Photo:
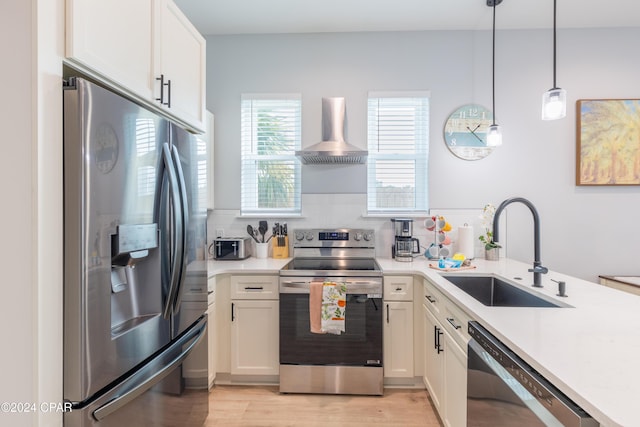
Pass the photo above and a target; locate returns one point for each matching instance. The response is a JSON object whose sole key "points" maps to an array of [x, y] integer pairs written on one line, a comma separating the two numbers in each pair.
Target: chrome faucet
{"points": [[537, 269]]}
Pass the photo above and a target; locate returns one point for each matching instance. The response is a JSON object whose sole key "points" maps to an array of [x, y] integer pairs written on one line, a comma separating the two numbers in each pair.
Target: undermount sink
{"points": [[495, 292]]}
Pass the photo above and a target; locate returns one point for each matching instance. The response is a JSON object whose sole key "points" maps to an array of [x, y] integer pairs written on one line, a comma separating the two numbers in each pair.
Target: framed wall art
{"points": [[608, 142]]}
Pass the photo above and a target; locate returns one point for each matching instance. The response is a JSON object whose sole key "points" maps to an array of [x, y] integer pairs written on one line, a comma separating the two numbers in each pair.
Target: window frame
{"points": [[249, 203], [420, 156]]}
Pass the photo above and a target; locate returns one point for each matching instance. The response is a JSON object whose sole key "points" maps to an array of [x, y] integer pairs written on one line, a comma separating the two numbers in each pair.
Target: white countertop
{"points": [[250, 265], [590, 351]]}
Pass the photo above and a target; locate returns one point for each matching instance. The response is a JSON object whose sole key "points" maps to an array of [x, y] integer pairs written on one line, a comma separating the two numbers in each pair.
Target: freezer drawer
{"points": [[149, 396]]}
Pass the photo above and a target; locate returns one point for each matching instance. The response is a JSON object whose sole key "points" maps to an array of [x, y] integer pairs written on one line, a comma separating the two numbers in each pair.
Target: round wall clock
{"points": [[465, 132]]}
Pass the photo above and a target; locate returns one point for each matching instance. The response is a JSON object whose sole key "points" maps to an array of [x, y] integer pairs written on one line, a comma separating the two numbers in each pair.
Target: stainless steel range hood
{"points": [[333, 148]]}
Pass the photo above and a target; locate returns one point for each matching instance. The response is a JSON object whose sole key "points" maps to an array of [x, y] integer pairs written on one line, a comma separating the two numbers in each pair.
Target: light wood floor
{"points": [[263, 406]]}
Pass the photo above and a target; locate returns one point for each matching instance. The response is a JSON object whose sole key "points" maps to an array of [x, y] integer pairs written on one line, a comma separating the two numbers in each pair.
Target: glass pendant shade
{"points": [[494, 136], [554, 104]]}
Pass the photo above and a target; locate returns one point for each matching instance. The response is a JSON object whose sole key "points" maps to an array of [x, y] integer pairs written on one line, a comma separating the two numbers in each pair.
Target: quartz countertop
{"points": [[250, 265], [588, 350]]}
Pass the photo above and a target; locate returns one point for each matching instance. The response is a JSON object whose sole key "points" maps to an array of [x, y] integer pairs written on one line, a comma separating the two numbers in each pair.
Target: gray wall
{"points": [[585, 231]]}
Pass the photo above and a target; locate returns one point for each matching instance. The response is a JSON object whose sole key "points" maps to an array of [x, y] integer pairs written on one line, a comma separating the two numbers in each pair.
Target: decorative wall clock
{"points": [[465, 132]]}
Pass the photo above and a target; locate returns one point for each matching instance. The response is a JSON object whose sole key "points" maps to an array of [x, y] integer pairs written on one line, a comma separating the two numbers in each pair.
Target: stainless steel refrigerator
{"points": [[134, 219]]}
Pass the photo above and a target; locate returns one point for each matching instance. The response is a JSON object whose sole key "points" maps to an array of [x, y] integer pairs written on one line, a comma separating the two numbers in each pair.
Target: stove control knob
{"points": [[368, 236], [299, 235], [357, 237], [309, 236]]}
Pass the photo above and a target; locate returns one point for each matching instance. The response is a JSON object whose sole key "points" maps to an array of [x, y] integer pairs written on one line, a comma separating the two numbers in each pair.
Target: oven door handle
{"points": [[362, 283], [294, 287], [355, 286], [299, 284], [290, 284]]}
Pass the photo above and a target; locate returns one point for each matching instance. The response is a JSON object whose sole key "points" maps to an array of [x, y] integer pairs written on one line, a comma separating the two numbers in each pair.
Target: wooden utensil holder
{"points": [[281, 251]]}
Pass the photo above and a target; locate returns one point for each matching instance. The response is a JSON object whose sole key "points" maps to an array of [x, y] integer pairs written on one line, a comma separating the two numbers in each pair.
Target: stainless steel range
{"points": [[349, 362]]}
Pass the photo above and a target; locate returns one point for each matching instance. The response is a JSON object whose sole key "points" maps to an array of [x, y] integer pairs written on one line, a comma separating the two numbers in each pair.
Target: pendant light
{"points": [[554, 101], [494, 133]]}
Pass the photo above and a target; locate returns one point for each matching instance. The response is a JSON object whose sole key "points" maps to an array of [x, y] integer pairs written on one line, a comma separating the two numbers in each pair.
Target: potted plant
{"points": [[491, 248]]}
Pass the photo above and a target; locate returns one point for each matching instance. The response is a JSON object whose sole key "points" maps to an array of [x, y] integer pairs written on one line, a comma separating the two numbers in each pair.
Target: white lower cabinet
{"points": [[254, 337], [398, 340], [397, 330], [445, 361], [433, 359], [254, 325], [199, 368], [455, 390]]}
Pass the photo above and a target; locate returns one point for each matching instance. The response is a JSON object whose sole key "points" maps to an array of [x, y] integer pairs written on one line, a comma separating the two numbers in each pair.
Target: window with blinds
{"points": [[398, 141], [270, 134]]}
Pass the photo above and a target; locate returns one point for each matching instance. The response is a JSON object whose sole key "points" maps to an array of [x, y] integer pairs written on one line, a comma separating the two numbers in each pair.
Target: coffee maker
{"points": [[405, 245]]}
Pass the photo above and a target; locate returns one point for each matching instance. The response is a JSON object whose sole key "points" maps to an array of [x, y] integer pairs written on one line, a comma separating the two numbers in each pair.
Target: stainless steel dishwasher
{"points": [[502, 390]]}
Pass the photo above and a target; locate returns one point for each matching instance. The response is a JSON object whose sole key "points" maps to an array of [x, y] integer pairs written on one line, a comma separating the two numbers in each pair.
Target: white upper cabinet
{"points": [[180, 60], [138, 45], [114, 39]]}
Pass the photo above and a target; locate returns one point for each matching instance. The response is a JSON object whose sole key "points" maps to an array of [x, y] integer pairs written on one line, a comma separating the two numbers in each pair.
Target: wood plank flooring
{"points": [[264, 406]]}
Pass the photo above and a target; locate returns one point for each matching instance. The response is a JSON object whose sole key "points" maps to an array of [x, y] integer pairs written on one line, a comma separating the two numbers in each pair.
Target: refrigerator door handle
{"points": [[166, 166], [182, 251], [143, 384]]}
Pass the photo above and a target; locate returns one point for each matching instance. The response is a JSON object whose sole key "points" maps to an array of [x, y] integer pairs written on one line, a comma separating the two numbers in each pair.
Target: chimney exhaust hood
{"points": [[333, 149]]}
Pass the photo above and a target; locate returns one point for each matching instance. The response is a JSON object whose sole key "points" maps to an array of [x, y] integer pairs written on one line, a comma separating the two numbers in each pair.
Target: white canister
{"points": [[262, 250]]}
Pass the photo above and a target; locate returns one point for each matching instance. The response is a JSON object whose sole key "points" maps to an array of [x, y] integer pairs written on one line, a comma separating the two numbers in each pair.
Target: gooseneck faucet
{"points": [[537, 269]]}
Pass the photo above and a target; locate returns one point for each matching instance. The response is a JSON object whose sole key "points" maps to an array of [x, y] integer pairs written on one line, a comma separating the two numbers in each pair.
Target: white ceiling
{"points": [[312, 16]]}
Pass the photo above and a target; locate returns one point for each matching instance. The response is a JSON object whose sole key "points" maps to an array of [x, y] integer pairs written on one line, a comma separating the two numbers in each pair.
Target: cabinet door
{"points": [[114, 39], [212, 338], [455, 394], [195, 368], [180, 58], [433, 358], [254, 337], [398, 340]]}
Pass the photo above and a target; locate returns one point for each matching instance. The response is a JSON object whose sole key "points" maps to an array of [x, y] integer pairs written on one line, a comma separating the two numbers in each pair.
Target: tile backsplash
{"points": [[349, 211]]}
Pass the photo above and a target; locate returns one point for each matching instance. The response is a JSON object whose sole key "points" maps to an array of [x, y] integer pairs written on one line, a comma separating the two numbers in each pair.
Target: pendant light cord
{"points": [[554, 45], [493, 65]]}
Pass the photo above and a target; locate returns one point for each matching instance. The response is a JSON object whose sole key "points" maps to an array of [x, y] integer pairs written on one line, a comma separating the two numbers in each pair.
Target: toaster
{"points": [[231, 248]]}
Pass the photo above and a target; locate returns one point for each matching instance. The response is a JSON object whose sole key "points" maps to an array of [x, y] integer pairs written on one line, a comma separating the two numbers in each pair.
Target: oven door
{"points": [[359, 345]]}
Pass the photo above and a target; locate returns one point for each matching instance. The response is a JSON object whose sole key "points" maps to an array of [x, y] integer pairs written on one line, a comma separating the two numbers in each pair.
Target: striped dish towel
{"points": [[334, 304]]}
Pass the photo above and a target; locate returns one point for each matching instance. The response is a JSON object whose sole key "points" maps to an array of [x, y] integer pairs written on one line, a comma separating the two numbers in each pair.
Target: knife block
{"points": [[281, 251]]}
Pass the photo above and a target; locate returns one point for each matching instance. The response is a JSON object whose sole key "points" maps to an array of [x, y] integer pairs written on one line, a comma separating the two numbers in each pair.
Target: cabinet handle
{"points": [[253, 288], [161, 79], [451, 320], [168, 104], [438, 345], [162, 85], [232, 317], [430, 299], [398, 289], [387, 313]]}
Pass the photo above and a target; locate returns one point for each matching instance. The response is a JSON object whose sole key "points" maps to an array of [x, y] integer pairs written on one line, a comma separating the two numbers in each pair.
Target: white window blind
{"points": [[270, 134], [398, 140]]}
